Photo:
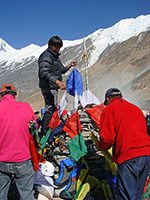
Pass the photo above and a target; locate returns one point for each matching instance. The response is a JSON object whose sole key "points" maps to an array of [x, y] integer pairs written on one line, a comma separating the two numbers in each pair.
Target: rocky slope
{"points": [[126, 66]]}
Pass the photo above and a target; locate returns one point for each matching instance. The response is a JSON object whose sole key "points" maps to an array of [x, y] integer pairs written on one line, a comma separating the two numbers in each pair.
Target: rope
{"points": [[85, 54]]}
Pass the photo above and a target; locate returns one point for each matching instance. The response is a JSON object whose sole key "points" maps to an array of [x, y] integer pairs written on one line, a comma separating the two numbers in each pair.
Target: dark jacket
{"points": [[148, 124], [50, 70]]}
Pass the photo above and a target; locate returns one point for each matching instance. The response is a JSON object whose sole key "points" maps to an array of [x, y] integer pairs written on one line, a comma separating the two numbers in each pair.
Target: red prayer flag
{"points": [[36, 157], [73, 125], [95, 113], [55, 121]]}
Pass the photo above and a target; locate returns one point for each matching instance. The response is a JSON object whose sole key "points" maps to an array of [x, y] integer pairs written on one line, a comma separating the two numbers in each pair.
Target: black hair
{"points": [[9, 92], [55, 41], [36, 112]]}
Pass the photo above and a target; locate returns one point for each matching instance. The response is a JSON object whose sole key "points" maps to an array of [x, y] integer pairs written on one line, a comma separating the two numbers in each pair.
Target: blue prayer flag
{"points": [[74, 83]]}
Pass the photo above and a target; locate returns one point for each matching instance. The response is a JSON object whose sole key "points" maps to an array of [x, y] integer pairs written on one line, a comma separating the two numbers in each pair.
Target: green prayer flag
{"points": [[77, 147], [44, 140]]}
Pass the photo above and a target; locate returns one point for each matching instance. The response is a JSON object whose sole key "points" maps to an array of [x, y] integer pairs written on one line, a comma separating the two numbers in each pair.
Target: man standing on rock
{"points": [[50, 78], [123, 126]]}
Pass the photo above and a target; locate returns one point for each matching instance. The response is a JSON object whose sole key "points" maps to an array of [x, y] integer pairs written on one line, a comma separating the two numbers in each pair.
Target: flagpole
{"points": [[86, 62]]}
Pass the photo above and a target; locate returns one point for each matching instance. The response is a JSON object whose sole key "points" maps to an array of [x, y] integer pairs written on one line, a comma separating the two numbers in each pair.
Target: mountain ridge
{"points": [[114, 62], [121, 31]]}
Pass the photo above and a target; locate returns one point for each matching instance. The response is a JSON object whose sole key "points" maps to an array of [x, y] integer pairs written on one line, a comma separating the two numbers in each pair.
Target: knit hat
{"points": [[7, 88]]}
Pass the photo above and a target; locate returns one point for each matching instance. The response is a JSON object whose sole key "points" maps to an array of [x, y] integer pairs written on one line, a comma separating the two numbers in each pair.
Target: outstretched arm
{"points": [[61, 84], [73, 63]]}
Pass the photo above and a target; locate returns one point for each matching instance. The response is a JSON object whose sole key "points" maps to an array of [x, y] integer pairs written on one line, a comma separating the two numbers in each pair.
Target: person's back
{"points": [[123, 126], [131, 138], [14, 140], [15, 159]]}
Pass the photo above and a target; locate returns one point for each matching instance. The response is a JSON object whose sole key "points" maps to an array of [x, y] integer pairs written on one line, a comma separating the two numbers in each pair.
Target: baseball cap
{"points": [[7, 88], [110, 92]]}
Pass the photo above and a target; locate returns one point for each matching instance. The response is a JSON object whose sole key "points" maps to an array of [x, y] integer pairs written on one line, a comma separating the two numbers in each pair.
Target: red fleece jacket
{"points": [[123, 126]]}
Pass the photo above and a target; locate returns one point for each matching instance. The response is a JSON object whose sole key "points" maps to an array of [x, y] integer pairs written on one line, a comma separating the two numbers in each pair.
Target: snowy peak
{"points": [[4, 47], [121, 31], [100, 39], [131, 27]]}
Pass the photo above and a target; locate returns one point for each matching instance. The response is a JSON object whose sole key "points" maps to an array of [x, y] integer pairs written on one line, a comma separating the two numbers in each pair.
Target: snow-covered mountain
{"points": [[19, 67], [100, 39]]}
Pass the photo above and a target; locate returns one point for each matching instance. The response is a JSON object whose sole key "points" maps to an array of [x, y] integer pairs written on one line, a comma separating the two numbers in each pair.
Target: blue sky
{"points": [[23, 22]]}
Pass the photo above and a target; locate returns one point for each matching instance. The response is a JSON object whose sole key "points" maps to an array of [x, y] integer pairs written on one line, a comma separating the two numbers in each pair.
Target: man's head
{"points": [[55, 43], [37, 114], [111, 94], [8, 89]]}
